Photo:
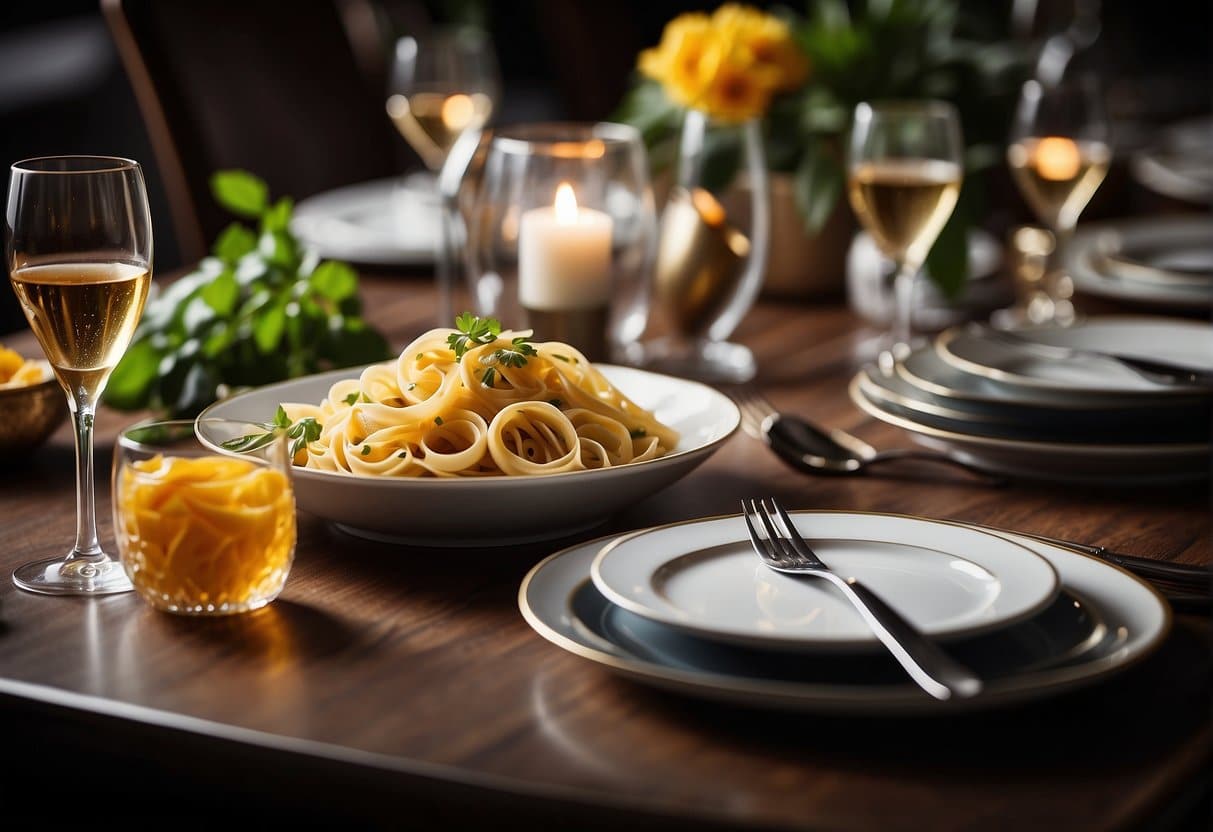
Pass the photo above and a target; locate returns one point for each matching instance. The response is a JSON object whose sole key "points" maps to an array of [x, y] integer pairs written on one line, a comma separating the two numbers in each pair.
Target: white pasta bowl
{"points": [[499, 510]]}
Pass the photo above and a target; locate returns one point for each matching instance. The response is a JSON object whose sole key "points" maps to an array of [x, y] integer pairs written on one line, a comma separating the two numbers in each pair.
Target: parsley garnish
{"points": [[409, 389], [473, 331], [489, 375], [563, 358], [437, 420], [302, 432], [366, 449], [351, 399], [516, 354]]}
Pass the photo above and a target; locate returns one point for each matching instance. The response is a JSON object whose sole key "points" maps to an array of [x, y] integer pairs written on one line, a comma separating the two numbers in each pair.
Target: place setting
{"points": [[580, 433], [981, 618]]}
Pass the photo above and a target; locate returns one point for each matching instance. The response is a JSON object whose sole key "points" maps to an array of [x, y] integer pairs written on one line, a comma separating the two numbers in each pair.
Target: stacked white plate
{"points": [[1160, 261], [1011, 409], [384, 222], [690, 607]]}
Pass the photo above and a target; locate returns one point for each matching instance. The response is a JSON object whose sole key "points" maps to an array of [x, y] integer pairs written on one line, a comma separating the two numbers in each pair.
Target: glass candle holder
{"points": [[562, 234], [201, 533]]}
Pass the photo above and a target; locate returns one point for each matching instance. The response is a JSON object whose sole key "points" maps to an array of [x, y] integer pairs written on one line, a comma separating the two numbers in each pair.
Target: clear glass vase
{"points": [[712, 252]]}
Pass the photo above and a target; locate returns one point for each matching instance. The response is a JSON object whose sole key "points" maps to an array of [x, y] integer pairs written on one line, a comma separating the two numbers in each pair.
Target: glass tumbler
{"points": [[199, 532]]}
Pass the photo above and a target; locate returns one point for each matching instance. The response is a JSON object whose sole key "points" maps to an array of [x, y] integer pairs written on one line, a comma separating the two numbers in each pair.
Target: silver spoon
{"points": [[816, 450]]}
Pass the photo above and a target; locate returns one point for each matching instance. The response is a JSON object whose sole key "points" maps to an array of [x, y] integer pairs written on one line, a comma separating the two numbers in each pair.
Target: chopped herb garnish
{"points": [[473, 331], [352, 398], [366, 449], [636, 433], [409, 389], [402, 455], [489, 375], [516, 354], [420, 356], [302, 432], [560, 357], [366, 398], [437, 420]]}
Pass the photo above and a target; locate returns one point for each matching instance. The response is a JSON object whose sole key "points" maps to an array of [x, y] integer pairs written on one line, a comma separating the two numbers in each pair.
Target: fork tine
{"points": [[758, 542], [793, 536], [780, 545], [755, 408]]}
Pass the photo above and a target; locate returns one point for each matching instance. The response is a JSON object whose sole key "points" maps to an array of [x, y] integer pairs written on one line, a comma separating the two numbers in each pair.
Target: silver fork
{"points": [[784, 550]]}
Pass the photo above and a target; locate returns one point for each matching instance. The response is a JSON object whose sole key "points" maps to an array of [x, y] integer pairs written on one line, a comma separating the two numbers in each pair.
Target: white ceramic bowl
{"points": [[488, 511]]}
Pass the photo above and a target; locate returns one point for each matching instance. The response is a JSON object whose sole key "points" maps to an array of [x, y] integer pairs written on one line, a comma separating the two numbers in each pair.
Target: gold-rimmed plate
{"points": [[1135, 618]]}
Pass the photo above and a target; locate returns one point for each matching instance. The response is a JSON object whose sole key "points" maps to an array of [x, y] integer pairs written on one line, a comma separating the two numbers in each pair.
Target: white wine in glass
{"points": [[1058, 154], [79, 254], [904, 179], [442, 85]]}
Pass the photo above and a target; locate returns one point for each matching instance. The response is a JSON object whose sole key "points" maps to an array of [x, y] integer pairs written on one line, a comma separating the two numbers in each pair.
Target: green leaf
{"points": [[278, 217], [240, 192], [948, 263], [221, 293], [817, 187], [130, 383], [234, 242], [334, 280], [268, 329], [279, 249], [281, 420]]}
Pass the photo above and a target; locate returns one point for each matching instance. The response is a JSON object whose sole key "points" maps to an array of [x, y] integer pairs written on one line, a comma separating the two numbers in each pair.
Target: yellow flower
{"points": [[739, 90], [728, 64], [678, 61], [769, 42]]}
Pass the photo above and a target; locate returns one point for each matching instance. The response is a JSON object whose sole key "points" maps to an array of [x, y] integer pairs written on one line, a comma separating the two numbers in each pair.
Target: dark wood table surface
{"points": [[392, 686]]}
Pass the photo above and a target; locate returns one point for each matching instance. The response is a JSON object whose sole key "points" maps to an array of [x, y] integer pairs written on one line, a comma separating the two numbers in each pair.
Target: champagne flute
{"points": [[79, 254], [904, 178], [441, 86], [1059, 155]]}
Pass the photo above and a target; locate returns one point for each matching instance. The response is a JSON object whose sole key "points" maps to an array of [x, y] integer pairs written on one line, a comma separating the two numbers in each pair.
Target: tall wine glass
{"points": [[905, 172], [79, 254], [1059, 155], [442, 85]]}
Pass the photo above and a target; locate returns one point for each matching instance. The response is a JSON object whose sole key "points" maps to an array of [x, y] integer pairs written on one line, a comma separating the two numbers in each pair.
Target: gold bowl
{"points": [[29, 414]]}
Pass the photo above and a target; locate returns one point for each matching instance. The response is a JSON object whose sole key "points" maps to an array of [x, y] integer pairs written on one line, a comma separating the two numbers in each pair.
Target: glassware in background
{"points": [[441, 85], [201, 533], [904, 175], [711, 255], [443, 88], [79, 255], [1059, 155], [562, 233]]}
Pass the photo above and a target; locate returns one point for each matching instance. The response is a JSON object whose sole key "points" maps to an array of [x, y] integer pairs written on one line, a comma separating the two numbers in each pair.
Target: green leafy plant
{"points": [[867, 50], [262, 308]]}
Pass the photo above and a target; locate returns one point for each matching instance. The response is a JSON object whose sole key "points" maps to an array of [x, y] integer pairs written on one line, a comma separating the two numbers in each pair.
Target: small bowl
{"points": [[29, 414]]}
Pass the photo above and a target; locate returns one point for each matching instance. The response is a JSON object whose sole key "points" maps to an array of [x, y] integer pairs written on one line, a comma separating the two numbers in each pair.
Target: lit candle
{"points": [[1057, 158], [564, 256]]}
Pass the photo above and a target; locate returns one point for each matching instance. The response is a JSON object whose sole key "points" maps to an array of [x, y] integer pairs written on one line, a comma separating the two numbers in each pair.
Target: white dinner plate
{"points": [[1070, 462], [487, 511], [705, 578], [1179, 242], [1179, 164], [1188, 343], [380, 222], [1135, 616]]}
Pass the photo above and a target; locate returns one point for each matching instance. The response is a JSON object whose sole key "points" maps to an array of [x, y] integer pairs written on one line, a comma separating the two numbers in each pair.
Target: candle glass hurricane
{"points": [[712, 252], [562, 232]]}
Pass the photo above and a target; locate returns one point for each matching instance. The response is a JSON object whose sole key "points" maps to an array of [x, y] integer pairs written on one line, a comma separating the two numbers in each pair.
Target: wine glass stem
{"points": [[903, 305], [87, 545]]}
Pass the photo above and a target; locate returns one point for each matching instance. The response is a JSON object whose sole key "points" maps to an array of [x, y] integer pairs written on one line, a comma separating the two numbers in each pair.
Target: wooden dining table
{"points": [[400, 687]]}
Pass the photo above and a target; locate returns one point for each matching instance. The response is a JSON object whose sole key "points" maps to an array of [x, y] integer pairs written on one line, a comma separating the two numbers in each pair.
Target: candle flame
{"points": [[566, 204], [1057, 158], [457, 111]]}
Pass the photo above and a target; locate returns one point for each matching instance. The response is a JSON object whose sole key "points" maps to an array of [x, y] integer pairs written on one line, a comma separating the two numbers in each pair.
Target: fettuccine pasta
{"points": [[506, 406]]}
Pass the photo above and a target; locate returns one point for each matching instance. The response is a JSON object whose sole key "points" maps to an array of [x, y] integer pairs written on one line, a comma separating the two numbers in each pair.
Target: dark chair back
{"points": [[271, 86]]}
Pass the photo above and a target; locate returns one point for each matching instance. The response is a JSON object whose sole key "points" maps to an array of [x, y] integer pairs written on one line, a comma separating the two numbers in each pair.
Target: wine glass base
{"points": [[80, 576], [715, 362]]}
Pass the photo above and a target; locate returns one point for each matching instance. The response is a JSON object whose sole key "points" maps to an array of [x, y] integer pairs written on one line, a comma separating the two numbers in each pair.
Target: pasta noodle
{"points": [[499, 409]]}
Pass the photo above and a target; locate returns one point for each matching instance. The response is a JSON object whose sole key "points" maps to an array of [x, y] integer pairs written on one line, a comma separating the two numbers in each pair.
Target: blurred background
{"points": [[295, 91]]}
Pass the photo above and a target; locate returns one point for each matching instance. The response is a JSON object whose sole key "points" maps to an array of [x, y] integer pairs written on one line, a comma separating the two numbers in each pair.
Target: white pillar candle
{"points": [[564, 255]]}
